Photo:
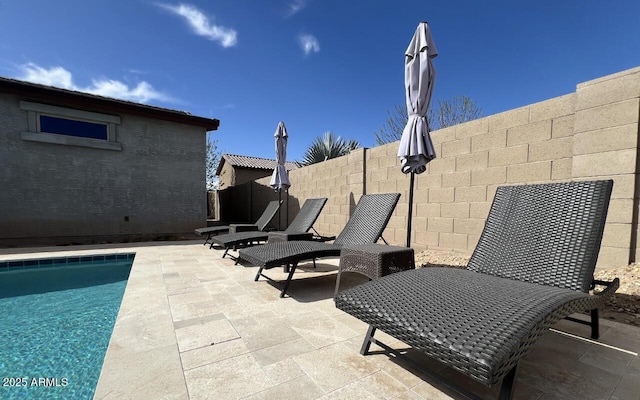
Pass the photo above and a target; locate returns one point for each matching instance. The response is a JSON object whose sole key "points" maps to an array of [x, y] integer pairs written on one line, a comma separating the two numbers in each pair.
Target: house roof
{"points": [[90, 102], [251, 162]]}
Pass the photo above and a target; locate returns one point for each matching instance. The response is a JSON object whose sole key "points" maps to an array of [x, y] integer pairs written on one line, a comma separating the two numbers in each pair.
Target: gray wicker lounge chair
{"points": [[299, 227], [533, 266], [260, 225], [369, 219]]}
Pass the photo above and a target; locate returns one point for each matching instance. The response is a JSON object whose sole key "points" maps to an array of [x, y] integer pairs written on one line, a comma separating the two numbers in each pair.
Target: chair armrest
{"points": [[610, 288], [235, 228], [275, 237], [320, 238]]}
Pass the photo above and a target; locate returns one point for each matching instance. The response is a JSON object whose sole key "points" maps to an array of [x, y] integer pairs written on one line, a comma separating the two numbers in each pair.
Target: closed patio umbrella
{"points": [[280, 178], [416, 149]]}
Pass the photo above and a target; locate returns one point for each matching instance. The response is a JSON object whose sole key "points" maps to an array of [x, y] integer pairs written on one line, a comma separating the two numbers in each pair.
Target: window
{"points": [[71, 127], [64, 126]]}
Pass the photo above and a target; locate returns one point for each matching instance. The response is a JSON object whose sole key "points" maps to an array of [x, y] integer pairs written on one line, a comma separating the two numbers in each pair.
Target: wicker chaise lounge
{"points": [[260, 225], [533, 266], [299, 227], [366, 225]]}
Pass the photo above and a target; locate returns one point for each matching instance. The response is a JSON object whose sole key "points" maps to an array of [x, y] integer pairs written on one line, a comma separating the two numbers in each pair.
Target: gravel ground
{"points": [[623, 306]]}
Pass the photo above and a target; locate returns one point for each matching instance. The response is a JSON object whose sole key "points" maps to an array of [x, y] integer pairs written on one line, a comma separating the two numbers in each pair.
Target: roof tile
{"points": [[254, 162]]}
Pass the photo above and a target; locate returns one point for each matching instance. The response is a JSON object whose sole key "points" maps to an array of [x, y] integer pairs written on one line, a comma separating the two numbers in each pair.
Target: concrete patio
{"points": [[195, 326]]}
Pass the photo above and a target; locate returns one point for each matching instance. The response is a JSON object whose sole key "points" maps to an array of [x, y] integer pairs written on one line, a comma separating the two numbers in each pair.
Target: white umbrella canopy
{"points": [[280, 178], [416, 148]]}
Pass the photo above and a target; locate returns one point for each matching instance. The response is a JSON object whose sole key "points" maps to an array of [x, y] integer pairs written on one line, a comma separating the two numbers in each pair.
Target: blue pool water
{"points": [[56, 319]]}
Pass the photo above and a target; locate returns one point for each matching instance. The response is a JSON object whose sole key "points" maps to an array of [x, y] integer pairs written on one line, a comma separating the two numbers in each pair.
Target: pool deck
{"points": [[195, 326]]}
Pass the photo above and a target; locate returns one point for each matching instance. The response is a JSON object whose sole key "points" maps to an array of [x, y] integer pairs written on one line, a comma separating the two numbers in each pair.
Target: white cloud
{"points": [[309, 43], [56, 76], [143, 92], [296, 6], [201, 25]]}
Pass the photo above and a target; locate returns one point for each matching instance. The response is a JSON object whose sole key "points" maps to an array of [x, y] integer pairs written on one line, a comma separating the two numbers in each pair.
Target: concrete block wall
{"points": [[339, 179], [606, 146], [590, 134], [514, 147]]}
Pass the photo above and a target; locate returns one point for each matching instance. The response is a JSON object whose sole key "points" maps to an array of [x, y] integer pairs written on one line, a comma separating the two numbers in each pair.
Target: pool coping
{"points": [[52, 262]]}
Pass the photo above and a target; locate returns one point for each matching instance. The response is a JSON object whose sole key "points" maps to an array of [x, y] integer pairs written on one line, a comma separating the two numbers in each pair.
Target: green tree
{"points": [[212, 160], [326, 147], [447, 113]]}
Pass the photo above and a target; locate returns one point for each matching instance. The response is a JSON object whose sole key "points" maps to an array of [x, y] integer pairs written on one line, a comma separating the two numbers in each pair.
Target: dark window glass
{"points": [[63, 126]]}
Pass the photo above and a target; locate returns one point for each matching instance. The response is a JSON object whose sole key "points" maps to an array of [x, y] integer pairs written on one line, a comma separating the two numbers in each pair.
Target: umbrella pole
{"points": [[410, 213], [280, 206]]}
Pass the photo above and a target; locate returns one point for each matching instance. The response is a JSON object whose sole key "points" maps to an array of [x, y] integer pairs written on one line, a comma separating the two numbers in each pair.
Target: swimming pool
{"points": [[57, 316]]}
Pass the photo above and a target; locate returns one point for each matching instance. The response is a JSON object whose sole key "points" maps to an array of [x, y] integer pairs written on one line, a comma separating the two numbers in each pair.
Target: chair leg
{"points": [[364, 350], [595, 324], [258, 274], [286, 285], [508, 384], [225, 252], [335, 292], [314, 263]]}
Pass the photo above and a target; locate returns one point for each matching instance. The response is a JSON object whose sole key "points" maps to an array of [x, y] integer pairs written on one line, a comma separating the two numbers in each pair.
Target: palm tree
{"points": [[326, 147]]}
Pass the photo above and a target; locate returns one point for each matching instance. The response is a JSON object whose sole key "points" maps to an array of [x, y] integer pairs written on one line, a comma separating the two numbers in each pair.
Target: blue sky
{"points": [[317, 65]]}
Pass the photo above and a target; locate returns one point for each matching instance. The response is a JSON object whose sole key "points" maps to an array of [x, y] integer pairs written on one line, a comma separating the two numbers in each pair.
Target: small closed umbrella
{"points": [[416, 148], [280, 178]]}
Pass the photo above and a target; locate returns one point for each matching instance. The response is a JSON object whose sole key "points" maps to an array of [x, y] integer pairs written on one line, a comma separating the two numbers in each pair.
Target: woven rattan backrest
{"points": [[368, 219], [547, 234], [307, 215], [268, 214]]}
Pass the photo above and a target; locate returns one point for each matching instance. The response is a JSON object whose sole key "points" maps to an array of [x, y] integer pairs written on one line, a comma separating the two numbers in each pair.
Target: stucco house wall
{"points": [[233, 176], [58, 193], [238, 199], [227, 176], [235, 170]]}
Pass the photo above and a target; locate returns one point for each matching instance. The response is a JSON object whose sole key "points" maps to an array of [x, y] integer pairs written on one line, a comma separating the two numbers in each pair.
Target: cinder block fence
{"points": [[590, 134]]}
